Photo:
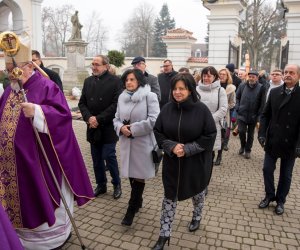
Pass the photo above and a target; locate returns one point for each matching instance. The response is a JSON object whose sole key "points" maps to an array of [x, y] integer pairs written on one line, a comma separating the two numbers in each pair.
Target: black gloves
{"points": [[262, 141], [297, 152]]}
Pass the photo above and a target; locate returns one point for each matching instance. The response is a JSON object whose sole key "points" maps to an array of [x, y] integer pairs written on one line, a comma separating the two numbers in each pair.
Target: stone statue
{"points": [[76, 29]]}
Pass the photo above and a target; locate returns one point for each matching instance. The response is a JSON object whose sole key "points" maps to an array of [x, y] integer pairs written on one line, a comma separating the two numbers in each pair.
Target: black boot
{"points": [[219, 158], [139, 186], [159, 245], [137, 189]]}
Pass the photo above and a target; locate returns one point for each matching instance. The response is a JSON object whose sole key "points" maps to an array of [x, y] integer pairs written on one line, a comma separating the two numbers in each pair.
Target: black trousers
{"points": [[246, 133], [285, 177]]}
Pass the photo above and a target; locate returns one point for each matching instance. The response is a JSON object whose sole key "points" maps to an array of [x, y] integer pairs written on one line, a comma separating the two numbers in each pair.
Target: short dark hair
{"points": [[139, 75], [36, 53], [189, 83], [184, 70], [210, 69]]}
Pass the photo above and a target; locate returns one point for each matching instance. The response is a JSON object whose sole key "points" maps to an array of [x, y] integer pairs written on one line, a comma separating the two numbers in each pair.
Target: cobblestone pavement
{"points": [[231, 218]]}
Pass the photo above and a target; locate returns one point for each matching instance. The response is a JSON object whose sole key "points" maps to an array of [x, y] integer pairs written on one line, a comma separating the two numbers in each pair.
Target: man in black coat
{"points": [[36, 57], [279, 135], [140, 63], [98, 104], [248, 111], [164, 80]]}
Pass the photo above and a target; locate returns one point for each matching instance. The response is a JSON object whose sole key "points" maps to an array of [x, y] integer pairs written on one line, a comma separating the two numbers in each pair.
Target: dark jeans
{"points": [[285, 177], [249, 129], [107, 153]]}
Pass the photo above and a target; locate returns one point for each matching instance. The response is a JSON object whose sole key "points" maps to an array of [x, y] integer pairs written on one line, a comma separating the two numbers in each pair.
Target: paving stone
{"points": [[231, 219]]}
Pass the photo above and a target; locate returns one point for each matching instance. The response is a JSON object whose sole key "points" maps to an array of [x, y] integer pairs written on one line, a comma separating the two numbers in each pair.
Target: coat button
{"points": [[287, 126], [92, 99], [100, 99], [289, 113], [286, 140]]}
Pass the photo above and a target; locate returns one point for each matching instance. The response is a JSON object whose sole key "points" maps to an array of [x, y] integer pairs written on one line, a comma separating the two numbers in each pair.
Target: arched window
{"points": [[198, 53]]}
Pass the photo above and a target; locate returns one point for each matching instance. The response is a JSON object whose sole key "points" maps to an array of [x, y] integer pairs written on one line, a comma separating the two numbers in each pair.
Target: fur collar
{"points": [[138, 95], [230, 88]]}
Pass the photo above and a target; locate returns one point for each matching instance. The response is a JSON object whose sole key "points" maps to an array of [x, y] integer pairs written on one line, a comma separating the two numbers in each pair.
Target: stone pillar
{"points": [[293, 30], [223, 23], [75, 73], [36, 34], [179, 46]]}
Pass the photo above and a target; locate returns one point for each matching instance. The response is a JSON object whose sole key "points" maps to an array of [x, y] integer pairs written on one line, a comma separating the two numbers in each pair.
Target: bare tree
{"points": [[56, 28], [96, 34], [261, 30], [138, 31]]}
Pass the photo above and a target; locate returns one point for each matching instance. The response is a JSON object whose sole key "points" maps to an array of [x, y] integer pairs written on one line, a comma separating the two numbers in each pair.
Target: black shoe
{"points": [[241, 151], [247, 155], [225, 148], [159, 245], [129, 216], [279, 209], [218, 161], [100, 189], [265, 202], [117, 192], [194, 225]]}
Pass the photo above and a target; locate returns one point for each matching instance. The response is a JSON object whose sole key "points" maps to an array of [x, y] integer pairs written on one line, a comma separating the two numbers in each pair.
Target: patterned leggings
{"points": [[169, 208]]}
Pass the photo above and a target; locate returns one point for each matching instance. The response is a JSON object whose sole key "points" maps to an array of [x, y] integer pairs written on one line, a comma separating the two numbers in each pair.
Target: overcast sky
{"points": [[188, 14]]}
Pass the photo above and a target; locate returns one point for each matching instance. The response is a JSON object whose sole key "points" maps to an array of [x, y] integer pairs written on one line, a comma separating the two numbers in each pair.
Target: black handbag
{"points": [[157, 154]]}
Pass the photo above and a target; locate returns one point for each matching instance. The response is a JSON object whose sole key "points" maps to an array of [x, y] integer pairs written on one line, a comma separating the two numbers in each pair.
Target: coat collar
{"points": [[138, 95]]}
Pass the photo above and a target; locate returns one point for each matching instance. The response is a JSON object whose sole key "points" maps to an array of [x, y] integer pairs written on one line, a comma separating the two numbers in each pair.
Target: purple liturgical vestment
{"points": [[8, 237], [28, 193]]}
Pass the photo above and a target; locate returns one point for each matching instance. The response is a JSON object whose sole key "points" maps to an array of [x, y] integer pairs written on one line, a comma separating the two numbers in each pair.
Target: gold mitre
{"points": [[15, 46]]}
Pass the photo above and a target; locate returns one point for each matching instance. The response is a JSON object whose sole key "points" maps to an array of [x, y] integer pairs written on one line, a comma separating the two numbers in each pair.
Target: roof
{"points": [[198, 59], [179, 33]]}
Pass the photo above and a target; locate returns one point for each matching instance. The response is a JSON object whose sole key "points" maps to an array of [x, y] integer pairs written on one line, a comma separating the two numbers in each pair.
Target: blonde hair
{"points": [[229, 77]]}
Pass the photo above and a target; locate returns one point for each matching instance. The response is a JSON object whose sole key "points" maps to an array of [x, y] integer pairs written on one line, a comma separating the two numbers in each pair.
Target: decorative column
{"points": [[36, 33], [76, 73], [293, 30], [223, 23], [179, 46]]}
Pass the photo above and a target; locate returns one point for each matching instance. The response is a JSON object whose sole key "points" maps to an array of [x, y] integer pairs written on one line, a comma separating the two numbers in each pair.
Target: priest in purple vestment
{"points": [[9, 239], [28, 192]]}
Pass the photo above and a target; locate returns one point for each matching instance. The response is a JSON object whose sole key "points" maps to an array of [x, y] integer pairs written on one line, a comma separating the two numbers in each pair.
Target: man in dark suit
{"points": [[98, 105], [36, 57], [279, 135]]}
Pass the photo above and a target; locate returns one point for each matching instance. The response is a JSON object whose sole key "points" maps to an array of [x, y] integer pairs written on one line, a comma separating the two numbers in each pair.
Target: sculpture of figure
{"points": [[76, 29]]}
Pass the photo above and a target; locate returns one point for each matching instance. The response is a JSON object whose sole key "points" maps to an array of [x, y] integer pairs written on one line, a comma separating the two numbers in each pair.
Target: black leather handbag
{"points": [[157, 154]]}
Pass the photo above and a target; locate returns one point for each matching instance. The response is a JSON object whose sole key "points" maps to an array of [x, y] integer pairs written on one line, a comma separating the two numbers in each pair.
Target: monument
{"points": [[75, 73]]}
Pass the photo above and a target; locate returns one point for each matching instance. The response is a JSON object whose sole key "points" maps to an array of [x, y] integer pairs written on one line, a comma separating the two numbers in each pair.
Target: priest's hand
{"points": [[28, 109]]}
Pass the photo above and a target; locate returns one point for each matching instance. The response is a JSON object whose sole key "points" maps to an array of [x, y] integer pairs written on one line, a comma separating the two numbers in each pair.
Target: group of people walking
{"points": [[190, 121], [185, 118]]}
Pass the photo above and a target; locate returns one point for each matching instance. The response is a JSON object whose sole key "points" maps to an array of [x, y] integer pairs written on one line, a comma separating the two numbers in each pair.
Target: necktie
{"points": [[288, 91]]}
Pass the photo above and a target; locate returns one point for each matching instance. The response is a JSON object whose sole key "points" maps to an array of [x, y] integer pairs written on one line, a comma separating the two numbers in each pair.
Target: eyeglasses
{"points": [[167, 65]]}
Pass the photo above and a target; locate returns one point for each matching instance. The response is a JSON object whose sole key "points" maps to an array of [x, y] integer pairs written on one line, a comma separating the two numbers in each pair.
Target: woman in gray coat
{"points": [[136, 114]]}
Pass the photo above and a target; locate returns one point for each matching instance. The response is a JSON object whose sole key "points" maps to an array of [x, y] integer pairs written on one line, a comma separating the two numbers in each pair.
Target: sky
{"points": [[188, 14]]}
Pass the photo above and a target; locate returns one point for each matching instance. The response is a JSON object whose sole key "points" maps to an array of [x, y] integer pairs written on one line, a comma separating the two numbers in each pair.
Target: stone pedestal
{"points": [[179, 45], [224, 21], [75, 73], [293, 30]]}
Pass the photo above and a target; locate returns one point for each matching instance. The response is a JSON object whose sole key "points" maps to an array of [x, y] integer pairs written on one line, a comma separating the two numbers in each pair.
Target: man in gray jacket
{"points": [[140, 63]]}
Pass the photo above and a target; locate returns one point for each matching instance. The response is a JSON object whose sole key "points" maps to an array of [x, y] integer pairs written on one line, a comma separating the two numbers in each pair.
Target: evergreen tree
{"points": [[162, 23]]}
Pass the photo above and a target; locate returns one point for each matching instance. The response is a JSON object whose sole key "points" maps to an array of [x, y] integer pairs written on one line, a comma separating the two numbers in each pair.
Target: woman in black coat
{"points": [[186, 131]]}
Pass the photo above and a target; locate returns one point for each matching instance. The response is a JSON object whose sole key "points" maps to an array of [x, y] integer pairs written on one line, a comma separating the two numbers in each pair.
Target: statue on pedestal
{"points": [[76, 29]]}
